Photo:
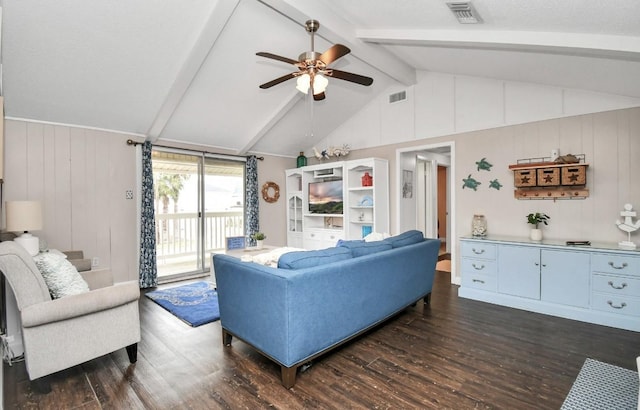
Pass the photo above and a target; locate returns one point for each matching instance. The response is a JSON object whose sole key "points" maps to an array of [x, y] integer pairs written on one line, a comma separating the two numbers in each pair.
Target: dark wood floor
{"points": [[458, 354]]}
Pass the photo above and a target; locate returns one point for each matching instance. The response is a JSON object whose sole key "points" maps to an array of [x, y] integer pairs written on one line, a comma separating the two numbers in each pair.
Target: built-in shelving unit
{"points": [[294, 207], [368, 205], [363, 209]]}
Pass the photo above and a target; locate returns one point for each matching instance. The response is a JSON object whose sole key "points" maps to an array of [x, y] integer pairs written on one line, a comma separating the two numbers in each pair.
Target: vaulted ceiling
{"points": [[187, 70]]}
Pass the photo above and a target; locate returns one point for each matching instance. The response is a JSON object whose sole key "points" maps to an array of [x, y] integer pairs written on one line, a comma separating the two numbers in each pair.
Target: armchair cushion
{"points": [[60, 275]]}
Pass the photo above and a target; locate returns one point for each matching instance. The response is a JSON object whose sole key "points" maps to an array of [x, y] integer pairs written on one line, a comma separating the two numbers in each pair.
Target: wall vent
{"points": [[465, 12], [400, 96]]}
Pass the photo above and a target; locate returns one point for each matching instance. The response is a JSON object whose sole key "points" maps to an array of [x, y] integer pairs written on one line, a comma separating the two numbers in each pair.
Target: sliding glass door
{"points": [[199, 202]]}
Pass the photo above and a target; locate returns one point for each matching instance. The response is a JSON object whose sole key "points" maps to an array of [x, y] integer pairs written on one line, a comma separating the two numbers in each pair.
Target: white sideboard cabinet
{"points": [[596, 284]]}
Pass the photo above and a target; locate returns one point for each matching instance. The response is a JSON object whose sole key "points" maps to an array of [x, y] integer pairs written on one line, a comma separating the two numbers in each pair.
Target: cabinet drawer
{"points": [[478, 250], [616, 264], [478, 266], [620, 304], [476, 281], [330, 236], [616, 285]]}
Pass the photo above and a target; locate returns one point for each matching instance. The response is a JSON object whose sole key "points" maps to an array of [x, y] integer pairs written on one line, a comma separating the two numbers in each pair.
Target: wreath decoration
{"points": [[270, 192]]}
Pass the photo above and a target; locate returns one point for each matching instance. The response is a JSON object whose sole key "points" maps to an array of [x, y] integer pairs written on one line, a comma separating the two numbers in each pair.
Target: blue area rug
{"points": [[195, 303]]}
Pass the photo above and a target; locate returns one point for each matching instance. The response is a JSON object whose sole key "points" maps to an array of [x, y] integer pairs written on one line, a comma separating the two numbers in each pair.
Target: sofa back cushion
{"points": [[361, 248], [405, 238], [309, 259]]}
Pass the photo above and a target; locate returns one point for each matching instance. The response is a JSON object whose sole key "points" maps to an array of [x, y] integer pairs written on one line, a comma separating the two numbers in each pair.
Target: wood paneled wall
{"points": [[81, 176], [610, 140]]}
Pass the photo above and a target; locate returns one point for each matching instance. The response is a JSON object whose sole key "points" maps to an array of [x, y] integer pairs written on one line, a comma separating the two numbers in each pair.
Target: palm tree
{"points": [[169, 186]]}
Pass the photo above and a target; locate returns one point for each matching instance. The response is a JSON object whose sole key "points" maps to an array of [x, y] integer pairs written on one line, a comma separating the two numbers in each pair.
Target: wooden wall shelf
{"points": [[550, 181]]}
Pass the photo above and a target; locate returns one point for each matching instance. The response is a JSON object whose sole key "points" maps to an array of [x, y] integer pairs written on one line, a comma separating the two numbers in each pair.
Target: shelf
{"points": [[362, 222], [361, 188], [361, 207]]}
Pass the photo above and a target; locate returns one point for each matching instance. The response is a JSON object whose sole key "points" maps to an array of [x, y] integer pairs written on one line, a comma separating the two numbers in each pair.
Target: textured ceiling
{"points": [[187, 71]]}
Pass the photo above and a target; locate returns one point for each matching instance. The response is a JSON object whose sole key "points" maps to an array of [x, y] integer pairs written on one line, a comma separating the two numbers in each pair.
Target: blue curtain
{"points": [[148, 266], [251, 225]]}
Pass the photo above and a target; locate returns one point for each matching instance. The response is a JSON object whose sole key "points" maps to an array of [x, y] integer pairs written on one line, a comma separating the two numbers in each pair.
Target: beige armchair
{"points": [[61, 333]]}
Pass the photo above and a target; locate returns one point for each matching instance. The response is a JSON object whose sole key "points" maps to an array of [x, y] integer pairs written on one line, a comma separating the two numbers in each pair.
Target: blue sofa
{"points": [[316, 300]]}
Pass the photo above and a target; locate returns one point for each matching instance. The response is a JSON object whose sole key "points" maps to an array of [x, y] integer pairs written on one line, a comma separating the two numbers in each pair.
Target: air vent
{"points": [[402, 95], [465, 13]]}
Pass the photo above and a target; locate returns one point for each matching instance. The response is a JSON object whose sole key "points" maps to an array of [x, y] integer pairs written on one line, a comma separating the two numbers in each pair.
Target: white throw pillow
{"points": [[376, 236], [271, 258], [61, 277]]}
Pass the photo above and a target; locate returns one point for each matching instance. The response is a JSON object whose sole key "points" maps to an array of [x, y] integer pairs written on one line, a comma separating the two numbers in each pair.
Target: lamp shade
{"points": [[320, 82], [24, 216]]}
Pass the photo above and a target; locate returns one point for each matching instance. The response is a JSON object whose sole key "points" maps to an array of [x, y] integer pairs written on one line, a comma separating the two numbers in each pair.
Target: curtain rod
{"points": [[134, 143]]}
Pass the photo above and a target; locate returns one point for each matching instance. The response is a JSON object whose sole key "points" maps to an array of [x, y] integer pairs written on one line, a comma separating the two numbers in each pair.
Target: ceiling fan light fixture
{"points": [[303, 83], [320, 84]]}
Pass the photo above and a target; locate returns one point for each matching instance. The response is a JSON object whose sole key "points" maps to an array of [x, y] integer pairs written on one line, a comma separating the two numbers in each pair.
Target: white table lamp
{"points": [[25, 216]]}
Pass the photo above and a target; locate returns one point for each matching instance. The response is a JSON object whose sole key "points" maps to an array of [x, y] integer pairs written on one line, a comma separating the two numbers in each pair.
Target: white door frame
{"points": [[451, 203]]}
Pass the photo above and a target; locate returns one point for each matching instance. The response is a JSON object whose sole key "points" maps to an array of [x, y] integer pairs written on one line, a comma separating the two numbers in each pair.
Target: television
{"points": [[325, 197]]}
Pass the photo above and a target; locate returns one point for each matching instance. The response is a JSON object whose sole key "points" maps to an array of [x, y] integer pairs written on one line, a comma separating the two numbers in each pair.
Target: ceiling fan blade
{"points": [[278, 80], [277, 57], [354, 78], [335, 52], [318, 97]]}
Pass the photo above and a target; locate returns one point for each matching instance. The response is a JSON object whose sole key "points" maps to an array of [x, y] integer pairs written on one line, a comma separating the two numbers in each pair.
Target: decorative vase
{"points": [[479, 226], [301, 161], [259, 243], [536, 234], [367, 180]]}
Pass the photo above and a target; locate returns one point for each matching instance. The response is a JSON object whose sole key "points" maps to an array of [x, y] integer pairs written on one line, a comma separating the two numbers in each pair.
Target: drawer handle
{"points": [[624, 285], [477, 268], [610, 303], [480, 252], [624, 265], [478, 281]]}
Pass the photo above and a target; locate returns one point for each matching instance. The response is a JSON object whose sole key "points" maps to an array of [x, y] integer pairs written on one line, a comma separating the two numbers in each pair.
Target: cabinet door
{"points": [[519, 271], [565, 277]]}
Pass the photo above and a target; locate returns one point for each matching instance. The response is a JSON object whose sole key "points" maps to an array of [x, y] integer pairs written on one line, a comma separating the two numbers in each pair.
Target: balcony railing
{"points": [[177, 237]]}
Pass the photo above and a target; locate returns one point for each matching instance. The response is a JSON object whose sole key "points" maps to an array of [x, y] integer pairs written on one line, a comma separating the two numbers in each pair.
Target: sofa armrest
{"points": [[97, 279], [73, 306]]}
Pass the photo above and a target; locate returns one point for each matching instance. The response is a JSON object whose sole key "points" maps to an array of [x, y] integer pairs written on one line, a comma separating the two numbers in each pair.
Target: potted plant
{"points": [[535, 220], [259, 238]]}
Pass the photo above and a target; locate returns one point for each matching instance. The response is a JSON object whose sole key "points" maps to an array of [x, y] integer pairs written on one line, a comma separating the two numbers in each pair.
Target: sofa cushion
{"points": [[361, 248], [405, 238], [309, 259], [60, 275]]}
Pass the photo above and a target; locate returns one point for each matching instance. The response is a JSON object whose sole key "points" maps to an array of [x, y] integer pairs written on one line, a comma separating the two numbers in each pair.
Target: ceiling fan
{"points": [[313, 67]]}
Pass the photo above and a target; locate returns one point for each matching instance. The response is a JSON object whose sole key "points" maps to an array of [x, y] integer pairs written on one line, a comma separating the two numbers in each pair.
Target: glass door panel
{"points": [[223, 204], [199, 203], [178, 228]]}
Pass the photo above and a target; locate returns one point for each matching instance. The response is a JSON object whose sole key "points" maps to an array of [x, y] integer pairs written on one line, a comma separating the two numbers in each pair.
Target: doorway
{"points": [[199, 202], [432, 208]]}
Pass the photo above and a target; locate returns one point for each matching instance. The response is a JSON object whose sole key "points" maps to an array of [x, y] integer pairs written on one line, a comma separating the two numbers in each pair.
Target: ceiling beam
{"points": [[279, 113], [218, 17], [582, 44], [335, 29]]}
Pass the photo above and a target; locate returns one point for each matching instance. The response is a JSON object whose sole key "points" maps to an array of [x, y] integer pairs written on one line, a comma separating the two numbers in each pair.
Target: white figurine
{"points": [[628, 226]]}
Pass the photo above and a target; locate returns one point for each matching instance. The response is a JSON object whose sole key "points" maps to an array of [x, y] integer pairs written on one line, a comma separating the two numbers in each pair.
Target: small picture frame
{"points": [[236, 242], [407, 184]]}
